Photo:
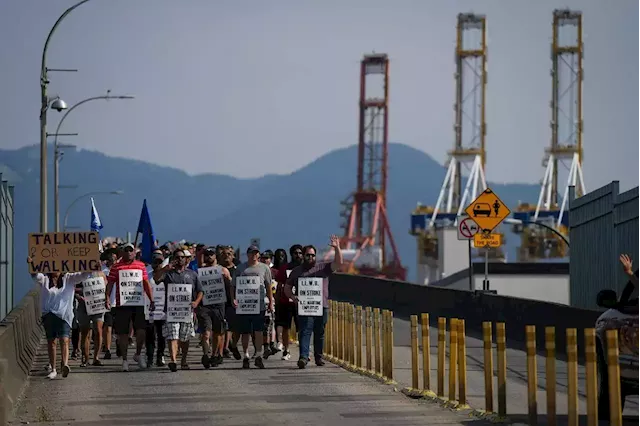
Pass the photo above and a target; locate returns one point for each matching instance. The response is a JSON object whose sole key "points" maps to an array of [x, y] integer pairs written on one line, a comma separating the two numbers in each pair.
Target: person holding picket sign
{"points": [[311, 280]]}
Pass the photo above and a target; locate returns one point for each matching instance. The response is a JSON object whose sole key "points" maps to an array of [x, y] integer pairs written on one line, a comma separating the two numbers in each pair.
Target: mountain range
{"points": [[300, 207]]}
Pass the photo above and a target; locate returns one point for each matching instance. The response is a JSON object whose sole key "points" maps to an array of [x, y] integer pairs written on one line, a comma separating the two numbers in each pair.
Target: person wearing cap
{"points": [[248, 324], [126, 313], [154, 326], [108, 257], [210, 313]]}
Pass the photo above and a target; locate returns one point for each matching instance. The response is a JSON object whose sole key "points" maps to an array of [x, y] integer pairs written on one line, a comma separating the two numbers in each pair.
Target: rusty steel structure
{"points": [[367, 225]]}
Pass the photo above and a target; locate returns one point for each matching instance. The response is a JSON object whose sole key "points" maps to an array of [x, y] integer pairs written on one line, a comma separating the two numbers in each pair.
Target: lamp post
{"points": [[58, 153], [44, 106], [88, 194], [512, 221]]}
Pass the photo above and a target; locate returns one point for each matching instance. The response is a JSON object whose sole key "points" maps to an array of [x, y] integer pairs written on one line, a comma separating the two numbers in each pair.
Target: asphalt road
{"points": [[281, 394]]}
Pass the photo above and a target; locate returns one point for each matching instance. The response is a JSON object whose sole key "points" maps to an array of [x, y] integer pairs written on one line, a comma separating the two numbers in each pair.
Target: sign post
{"points": [[487, 211]]}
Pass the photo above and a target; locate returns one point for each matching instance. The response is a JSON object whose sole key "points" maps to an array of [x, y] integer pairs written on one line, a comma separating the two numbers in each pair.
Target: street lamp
{"points": [[57, 104], [58, 154], [88, 194], [511, 221]]}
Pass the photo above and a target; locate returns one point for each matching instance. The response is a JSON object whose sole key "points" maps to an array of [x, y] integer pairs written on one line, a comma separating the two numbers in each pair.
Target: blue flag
{"points": [[96, 223], [148, 238]]}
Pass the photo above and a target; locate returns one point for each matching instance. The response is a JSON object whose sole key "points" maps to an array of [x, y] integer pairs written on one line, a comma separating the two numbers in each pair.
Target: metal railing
{"points": [[7, 223]]}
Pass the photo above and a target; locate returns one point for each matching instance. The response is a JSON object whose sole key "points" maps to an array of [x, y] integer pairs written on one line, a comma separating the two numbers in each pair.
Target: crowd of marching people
{"points": [[159, 302]]}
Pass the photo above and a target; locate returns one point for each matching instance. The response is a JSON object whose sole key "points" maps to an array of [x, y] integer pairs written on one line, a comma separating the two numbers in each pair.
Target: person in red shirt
{"points": [[126, 282]]}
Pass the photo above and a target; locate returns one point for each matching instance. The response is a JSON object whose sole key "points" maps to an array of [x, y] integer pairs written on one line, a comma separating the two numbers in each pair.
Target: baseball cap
{"points": [[253, 248], [210, 250], [128, 245]]}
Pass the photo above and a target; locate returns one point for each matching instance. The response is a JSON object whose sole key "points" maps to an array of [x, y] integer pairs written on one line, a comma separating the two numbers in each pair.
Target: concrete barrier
{"points": [[406, 299], [20, 334]]}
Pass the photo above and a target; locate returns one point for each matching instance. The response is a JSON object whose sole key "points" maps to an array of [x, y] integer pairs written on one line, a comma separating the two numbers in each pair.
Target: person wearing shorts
{"points": [[85, 322], [248, 324], [125, 316]]}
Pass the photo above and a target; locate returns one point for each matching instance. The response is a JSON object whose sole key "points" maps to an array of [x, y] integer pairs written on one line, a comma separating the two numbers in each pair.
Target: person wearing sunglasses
{"points": [[309, 324]]}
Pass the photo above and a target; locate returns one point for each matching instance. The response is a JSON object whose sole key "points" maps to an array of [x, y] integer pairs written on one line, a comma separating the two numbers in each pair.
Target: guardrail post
{"points": [[349, 334], [327, 347], [376, 338], [359, 336], [334, 326], [613, 371], [414, 352], [426, 352], [572, 376], [390, 336], [442, 336], [462, 363], [591, 368], [453, 357], [385, 343], [532, 374], [488, 365], [550, 367], [352, 334], [501, 346], [368, 336], [341, 331]]}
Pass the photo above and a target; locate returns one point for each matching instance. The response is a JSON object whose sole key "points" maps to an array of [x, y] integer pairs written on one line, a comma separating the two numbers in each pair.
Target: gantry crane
{"points": [[566, 148], [366, 229], [469, 152]]}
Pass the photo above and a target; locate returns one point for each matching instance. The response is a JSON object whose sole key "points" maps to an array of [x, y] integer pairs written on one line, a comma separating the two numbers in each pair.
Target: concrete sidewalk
{"points": [[517, 406], [281, 394]]}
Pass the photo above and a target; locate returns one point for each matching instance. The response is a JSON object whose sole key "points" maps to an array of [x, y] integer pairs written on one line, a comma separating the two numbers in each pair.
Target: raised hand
{"points": [[627, 264], [334, 241]]}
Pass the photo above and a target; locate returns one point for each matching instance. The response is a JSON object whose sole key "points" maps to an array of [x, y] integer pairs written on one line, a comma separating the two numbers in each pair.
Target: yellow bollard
{"points": [[334, 327], [550, 368], [385, 343], [501, 348], [340, 331], [442, 335], [613, 371], [390, 340], [352, 335], [532, 374], [591, 367], [359, 336], [348, 335], [327, 346], [572, 376], [368, 336], [488, 365], [453, 357], [376, 339], [426, 352], [462, 363], [414, 352]]}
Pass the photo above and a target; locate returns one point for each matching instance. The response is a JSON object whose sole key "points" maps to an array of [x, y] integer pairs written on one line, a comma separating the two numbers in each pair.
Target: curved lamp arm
{"points": [[89, 194]]}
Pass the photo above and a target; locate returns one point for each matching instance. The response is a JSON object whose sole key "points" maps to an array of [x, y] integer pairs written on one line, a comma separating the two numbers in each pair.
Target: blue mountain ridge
{"points": [[300, 207]]}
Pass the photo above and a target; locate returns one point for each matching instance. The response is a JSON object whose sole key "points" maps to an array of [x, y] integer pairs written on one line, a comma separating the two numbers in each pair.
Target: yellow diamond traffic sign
{"points": [[488, 211]]}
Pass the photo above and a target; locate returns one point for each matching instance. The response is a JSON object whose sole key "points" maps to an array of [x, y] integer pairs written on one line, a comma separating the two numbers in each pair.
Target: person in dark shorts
{"points": [[211, 310], [285, 308], [224, 255], [108, 257], [127, 315]]}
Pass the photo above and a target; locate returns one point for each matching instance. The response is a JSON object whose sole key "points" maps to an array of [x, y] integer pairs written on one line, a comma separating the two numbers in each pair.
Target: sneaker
{"points": [[246, 363], [118, 353], [185, 366], [173, 367], [131, 343], [259, 362], [65, 370], [286, 356], [218, 360], [160, 362], [83, 361], [236, 353], [274, 349], [302, 363], [206, 361], [107, 354], [226, 353], [125, 365], [74, 355], [136, 358], [48, 368], [142, 362], [319, 362], [52, 375], [266, 353], [280, 346], [97, 363]]}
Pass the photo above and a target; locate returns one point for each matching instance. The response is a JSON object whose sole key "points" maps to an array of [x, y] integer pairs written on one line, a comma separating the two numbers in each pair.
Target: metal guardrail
{"points": [[7, 245]]}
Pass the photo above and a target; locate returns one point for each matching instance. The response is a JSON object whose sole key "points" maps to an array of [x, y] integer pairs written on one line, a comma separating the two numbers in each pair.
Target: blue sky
{"points": [[248, 88]]}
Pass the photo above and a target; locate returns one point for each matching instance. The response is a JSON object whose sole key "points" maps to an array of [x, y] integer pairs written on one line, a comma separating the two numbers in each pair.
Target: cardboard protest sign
{"points": [[93, 291], [310, 296], [248, 295], [179, 302], [213, 285], [64, 252]]}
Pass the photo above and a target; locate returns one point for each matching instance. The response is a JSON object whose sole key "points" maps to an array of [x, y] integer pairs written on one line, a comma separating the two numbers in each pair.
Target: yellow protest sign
{"points": [[488, 211], [64, 252]]}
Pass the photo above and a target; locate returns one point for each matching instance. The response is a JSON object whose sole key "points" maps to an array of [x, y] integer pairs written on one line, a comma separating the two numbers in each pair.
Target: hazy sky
{"points": [[248, 88]]}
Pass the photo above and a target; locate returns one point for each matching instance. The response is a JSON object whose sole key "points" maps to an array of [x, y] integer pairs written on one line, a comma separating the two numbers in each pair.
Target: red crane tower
{"points": [[368, 225]]}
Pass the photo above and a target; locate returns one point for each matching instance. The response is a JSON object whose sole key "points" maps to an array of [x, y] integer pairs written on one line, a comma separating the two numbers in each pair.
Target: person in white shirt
{"points": [[56, 305]]}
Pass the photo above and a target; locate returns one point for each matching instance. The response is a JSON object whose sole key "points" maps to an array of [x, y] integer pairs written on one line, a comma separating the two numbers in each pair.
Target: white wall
{"points": [[546, 288]]}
